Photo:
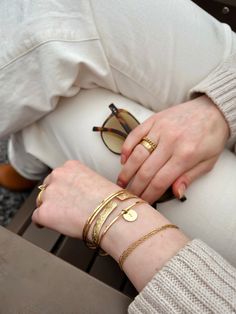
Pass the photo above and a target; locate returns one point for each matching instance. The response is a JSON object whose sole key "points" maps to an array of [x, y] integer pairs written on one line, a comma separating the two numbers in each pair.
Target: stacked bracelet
{"points": [[145, 237], [121, 213], [96, 211], [104, 210]]}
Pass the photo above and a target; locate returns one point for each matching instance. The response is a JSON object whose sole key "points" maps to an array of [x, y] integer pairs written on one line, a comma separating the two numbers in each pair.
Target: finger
{"points": [[138, 156], [134, 162], [35, 220], [35, 217], [150, 168], [181, 183], [47, 180], [163, 179], [135, 137], [40, 217]]}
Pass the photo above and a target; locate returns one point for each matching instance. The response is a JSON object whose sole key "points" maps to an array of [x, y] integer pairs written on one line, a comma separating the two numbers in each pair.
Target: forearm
{"points": [[153, 253], [176, 275]]}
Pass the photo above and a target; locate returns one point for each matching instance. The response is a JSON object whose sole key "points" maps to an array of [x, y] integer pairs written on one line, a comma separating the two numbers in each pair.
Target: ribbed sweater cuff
{"points": [[220, 86], [196, 280]]}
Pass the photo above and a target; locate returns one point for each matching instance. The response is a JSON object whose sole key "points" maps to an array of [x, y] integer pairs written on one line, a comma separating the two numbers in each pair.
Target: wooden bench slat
{"points": [[76, 253], [106, 269], [129, 289], [22, 218], [43, 238]]}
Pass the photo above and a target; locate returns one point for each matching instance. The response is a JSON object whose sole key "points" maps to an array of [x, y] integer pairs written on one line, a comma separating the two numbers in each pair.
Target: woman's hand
{"points": [[72, 193], [189, 138]]}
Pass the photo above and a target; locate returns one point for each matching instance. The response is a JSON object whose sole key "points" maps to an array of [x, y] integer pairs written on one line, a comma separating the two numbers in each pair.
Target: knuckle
{"points": [[56, 173], [188, 153], [143, 175], [138, 154], [157, 185]]}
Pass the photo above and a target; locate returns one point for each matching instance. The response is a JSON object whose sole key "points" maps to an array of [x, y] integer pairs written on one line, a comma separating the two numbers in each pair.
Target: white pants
{"points": [[210, 210], [154, 55]]}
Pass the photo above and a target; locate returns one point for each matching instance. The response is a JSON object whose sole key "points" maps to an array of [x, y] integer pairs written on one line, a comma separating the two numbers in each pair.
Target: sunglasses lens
{"points": [[112, 140], [129, 119]]}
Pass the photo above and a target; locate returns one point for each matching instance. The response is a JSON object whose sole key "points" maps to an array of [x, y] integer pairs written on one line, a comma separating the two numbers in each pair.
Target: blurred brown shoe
{"points": [[10, 179]]}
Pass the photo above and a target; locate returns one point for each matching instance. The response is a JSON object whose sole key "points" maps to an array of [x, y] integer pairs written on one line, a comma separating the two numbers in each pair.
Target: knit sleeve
{"points": [[220, 86], [196, 280]]}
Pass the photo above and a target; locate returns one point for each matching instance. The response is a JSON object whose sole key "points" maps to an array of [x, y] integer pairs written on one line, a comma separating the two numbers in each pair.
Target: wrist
{"points": [[219, 116], [153, 253]]}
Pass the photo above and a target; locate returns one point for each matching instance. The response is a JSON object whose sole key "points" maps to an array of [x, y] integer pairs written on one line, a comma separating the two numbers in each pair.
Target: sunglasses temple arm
{"points": [[125, 127], [111, 130], [115, 112]]}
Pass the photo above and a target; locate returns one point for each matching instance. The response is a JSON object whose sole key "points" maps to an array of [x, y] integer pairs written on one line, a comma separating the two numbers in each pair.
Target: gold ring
{"points": [[148, 144], [39, 197]]}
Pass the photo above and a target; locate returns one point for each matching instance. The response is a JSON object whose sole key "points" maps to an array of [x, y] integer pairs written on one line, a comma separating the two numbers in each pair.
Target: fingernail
{"points": [[181, 190], [183, 199], [122, 159], [120, 183]]}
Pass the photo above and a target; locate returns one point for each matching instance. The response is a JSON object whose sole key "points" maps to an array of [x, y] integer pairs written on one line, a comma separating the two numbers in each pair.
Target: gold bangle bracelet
{"points": [[96, 212], [135, 244], [121, 195], [107, 210], [121, 213]]}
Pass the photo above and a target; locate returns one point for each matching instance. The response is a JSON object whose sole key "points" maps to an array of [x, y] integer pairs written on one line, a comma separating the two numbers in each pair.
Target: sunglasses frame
{"points": [[168, 195], [115, 112]]}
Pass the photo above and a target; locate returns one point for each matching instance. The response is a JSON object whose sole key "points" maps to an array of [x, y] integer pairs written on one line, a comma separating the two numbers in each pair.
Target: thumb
{"points": [[181, 184]]}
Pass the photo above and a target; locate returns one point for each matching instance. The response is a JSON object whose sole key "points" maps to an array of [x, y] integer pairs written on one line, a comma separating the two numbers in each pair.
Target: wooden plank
{"points": [[107, 270], [43, 238], [76, 253], [34, 281], [22, 218], [129, 290]]}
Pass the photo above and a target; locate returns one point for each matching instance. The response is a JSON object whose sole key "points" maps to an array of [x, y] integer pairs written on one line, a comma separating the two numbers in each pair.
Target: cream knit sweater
{"points": [[197, 279]]}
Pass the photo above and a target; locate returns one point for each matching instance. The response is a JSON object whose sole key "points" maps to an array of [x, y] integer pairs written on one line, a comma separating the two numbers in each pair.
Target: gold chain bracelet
{"points": [[135, 244]]}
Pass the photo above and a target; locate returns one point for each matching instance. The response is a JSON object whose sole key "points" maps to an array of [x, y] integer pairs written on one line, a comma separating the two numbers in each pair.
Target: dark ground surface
{"points": [[9, 201]]}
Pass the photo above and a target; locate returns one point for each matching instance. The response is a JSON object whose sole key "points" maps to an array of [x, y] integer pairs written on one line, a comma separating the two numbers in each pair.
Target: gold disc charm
{"points": [[131, 215]]}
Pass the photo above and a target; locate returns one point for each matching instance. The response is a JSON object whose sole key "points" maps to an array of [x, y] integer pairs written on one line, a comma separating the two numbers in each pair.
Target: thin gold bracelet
{"points": [[121, 213], [107, 210], [121, 195], [96, 212], [135, 244]]}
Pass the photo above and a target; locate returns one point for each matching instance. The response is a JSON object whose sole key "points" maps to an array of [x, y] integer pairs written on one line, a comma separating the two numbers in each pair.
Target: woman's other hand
{"points": [[189, 137], [72, 192]]}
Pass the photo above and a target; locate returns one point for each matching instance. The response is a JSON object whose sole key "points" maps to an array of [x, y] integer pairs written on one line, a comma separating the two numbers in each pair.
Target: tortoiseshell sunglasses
{"points": [[116, 128], [114, 131]]}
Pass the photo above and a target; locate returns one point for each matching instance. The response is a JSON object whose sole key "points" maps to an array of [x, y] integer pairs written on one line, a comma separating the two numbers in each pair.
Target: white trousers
{"points": [[210, 210], [152, 55]]}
